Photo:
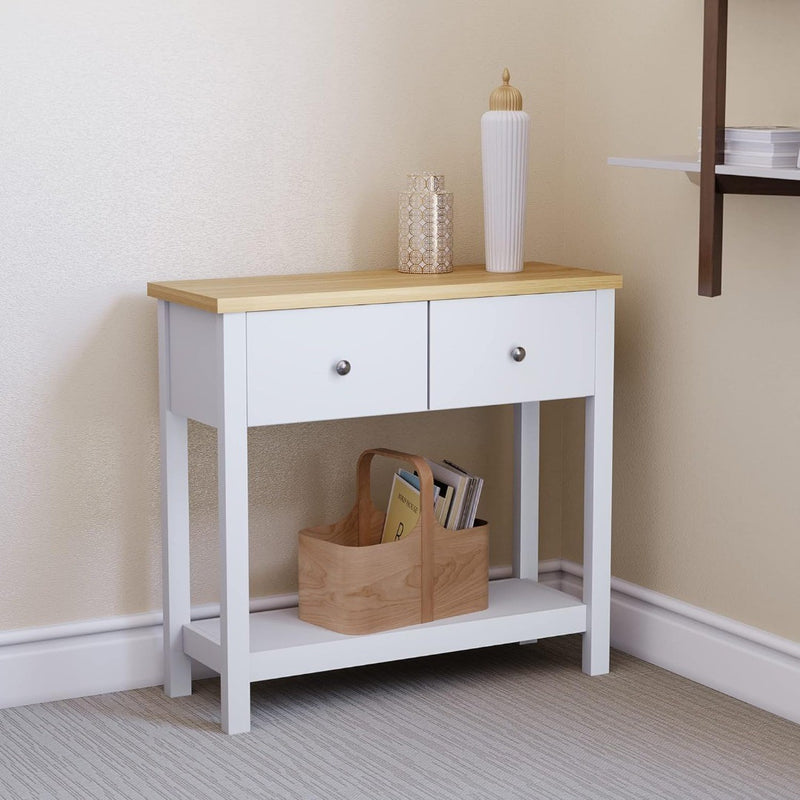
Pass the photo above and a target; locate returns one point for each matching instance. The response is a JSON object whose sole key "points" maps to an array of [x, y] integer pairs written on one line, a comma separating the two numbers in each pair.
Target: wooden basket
{"points": [[351, 583]]}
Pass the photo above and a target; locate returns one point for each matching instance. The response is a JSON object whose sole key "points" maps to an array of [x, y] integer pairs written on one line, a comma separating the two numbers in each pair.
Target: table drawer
{"points": [[472, 344], [292, 359]]}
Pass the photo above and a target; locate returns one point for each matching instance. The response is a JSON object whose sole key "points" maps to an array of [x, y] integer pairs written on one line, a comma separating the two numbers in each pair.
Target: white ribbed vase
{"points": [[504, 149]]}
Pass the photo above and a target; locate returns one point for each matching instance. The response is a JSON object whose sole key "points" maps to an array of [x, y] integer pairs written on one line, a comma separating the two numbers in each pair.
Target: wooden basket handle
{"points": [[365, 507]]}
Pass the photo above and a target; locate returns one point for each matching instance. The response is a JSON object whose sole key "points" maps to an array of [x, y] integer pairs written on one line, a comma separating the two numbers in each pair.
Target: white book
{"points": [[757, 160], [763, 148], [459, 481], [763, 133], [470, 509], [768, 134], [473, 512]]}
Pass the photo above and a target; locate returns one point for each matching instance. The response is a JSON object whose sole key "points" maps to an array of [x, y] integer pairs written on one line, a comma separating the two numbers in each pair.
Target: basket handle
{"points": [[426, 511]]}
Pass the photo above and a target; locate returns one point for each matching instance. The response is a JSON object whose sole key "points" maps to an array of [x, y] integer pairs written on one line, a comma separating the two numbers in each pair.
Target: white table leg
{"points": [[526, 491], [597, 494], [233, 523], [174, 524]]}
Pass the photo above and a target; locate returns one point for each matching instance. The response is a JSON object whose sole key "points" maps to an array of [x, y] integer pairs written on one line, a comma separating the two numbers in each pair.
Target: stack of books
{"points": [[456, 494], [773, 146]]}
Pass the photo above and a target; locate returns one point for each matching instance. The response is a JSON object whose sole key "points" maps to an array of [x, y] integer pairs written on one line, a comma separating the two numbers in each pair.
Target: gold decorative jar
{"points": [[425, 231]]}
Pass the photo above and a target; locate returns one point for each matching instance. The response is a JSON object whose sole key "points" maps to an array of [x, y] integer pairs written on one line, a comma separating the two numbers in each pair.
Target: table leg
{"points": [[526, 491], [174, 524], [597, 494], [233, 523]]}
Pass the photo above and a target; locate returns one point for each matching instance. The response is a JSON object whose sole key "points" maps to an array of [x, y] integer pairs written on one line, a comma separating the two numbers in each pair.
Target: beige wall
{"points": [[158, 140], [169, 140], [707, 444]]}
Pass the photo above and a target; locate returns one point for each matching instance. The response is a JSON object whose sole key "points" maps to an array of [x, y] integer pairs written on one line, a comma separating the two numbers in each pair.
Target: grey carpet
{"points": [[505, 722]]}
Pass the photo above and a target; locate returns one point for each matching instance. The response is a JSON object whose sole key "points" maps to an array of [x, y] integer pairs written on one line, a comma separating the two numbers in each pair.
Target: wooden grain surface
{"points": [[715, 48], [274, 292], [356, 589], [351, 583]]}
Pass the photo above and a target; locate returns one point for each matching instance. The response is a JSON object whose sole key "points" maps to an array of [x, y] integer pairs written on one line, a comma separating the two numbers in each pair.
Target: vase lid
{"points": [[505, 97], [425, 182]]}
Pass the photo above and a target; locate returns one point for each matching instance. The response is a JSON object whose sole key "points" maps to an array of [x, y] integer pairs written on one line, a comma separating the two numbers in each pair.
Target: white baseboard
{"points": [[122, 653], [38, 665], [57, 669], [77, 659], [741, 661]]}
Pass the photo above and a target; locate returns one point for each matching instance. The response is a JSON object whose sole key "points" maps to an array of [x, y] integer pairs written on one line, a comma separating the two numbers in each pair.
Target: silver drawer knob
{"points": [[343, 367], [518, 354]]}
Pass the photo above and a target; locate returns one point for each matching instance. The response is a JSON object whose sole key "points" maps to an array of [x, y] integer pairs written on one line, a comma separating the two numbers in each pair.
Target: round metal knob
{"points": [[518, 354], [343, 367]]}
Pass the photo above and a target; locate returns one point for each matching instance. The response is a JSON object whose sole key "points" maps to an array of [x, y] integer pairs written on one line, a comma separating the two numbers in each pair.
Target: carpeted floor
{"points": [[505, 722]]}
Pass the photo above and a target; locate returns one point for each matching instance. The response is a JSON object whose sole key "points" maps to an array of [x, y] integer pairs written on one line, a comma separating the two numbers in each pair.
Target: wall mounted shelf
{"points": [[676, 163], [691, 166], [716, 179]]}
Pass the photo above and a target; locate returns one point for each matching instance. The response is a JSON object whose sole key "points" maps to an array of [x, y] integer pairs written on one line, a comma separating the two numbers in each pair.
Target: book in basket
{"points": [[466, 493], [402, 513]]}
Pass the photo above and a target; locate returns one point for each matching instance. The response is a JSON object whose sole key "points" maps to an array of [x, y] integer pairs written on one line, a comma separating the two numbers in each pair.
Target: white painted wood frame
{"points": [[597, 493], [526, 491], [233, 522], [244, 647], [174, 522], [525, 554]]}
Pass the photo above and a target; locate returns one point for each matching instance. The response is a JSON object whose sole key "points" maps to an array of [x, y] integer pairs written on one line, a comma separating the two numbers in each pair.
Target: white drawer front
{"points": [[292, 358], [471, 344]]}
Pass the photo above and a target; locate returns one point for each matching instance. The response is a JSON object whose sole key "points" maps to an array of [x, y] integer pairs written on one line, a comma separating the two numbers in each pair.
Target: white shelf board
{"points": [[678, 163], [691, 164], [281, 644]]}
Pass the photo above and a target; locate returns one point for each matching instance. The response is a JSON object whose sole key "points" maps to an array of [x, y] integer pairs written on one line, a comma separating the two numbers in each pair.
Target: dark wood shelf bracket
{"points": [[750, 184], [715, 47]]}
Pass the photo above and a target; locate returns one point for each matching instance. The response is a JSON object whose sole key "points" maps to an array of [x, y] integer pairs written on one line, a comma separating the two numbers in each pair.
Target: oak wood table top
{"points": [[318, 290]]}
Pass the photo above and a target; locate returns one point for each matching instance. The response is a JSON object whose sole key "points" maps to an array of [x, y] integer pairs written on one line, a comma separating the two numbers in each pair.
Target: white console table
{"points": [[242, 352]]}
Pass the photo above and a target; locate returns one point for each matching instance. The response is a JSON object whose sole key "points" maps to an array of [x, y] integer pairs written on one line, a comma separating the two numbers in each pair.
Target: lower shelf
{"points": [[282, 645]]}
